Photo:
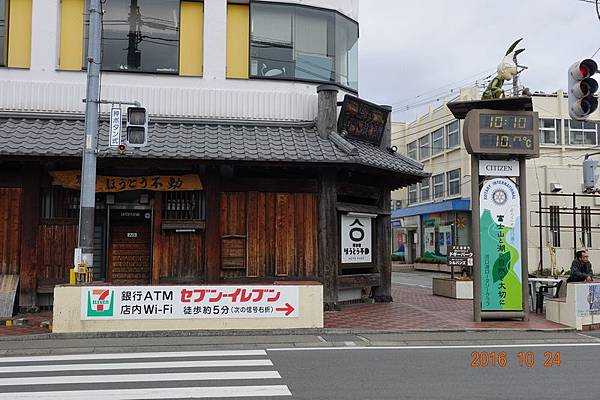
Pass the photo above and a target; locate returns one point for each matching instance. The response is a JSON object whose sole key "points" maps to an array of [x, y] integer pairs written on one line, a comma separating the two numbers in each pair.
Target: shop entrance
{"points": [[129, 251]]}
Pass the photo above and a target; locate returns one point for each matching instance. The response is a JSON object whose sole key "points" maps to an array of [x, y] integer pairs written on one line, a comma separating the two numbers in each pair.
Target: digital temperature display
{"points": [[505, 122], [506, 141], [502, 132]]}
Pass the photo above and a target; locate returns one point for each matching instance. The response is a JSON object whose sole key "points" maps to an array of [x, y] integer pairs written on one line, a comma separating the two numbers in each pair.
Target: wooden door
{"points": [[10, 230], [129, 253]]}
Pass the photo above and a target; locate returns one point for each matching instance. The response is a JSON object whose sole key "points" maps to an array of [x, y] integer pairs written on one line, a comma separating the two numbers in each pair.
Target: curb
{"points": [[280, 332]]}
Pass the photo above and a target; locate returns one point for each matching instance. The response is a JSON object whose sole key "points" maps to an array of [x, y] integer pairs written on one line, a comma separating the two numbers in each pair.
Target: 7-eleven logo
{"points": [[100, 303]]}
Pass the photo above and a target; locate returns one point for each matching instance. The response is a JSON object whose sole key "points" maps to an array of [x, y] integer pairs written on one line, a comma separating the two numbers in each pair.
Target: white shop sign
{"points": [[189, 302], [115, 126], [357, 246], [498, 167]]}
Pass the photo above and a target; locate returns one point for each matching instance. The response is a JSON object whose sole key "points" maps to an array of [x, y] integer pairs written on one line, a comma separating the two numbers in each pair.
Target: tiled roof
{"points": [[217, 140]]}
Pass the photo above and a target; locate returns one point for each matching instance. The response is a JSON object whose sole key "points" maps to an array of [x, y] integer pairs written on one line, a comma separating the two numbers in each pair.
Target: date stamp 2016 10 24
{"points": [[524, 359]]}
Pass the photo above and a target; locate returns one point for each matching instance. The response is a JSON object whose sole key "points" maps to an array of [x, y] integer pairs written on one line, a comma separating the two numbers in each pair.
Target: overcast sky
{"points": [[411, 48]]}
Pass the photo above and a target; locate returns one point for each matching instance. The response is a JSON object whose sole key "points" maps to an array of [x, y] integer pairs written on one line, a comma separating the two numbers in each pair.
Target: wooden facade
{"points": [[208, 221], [227, 232]]}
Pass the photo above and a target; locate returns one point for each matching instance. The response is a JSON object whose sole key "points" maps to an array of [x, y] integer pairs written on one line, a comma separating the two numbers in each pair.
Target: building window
{"points": [[59, 203], [413, 196], [453, 182], [550, 131], [3, 31], [292, 42], [438, 186], [581, 132], [189, 205], [139, 38], [437, 141], [452, 134], [425, 189], [411, 150], [424, 147]]}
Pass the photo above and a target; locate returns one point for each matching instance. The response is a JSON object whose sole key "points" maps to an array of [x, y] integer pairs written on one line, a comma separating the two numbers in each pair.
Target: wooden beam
{"points": [[156, 238], [328, 239], [30, 215], [213, 226], [359, 280], [271, 185], [349, 207], [383, 293]]}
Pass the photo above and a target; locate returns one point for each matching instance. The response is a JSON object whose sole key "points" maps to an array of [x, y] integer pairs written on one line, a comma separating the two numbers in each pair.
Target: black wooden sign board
{"points": [[460, 256], [362, 120]]}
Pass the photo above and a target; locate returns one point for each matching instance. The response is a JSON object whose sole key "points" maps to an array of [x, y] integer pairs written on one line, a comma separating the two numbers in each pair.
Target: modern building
{"points": [[435, 213], [244, 178]]}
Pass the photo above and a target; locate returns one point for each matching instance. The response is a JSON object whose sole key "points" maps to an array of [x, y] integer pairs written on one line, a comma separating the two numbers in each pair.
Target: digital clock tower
{"points": [[500, 135]]}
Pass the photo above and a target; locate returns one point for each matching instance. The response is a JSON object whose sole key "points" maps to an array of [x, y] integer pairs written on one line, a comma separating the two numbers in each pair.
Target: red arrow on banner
{"points": [[288, 309]]}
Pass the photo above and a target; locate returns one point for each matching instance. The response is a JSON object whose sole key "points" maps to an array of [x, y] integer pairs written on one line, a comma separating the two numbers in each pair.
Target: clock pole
{"points": [[500, 135]]}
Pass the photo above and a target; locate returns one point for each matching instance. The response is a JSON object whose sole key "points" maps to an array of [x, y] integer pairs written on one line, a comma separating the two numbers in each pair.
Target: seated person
{"points": [[581, 268]]}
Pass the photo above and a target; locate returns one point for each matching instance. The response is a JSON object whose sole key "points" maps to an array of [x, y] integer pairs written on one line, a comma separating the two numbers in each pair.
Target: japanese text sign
{"points": [[460, 256], [500, 243], [189, 302], [112, 184], [115, 126], [357, 246]]}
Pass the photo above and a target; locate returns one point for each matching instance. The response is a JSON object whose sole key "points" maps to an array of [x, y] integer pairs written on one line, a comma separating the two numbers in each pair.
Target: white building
{"points": [[436, 212]]}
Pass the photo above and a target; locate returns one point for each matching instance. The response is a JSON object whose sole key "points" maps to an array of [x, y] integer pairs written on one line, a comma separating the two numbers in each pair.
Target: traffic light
{"points": [[582, 101], [137, 126], [589, 175]]}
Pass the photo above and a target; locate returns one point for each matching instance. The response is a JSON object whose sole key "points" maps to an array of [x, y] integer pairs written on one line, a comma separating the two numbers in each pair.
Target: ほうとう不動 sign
{"points": [[357, 245]]}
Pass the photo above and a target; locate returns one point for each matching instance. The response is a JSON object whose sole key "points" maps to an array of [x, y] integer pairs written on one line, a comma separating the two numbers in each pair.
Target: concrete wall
{"points": [[67, 316]]}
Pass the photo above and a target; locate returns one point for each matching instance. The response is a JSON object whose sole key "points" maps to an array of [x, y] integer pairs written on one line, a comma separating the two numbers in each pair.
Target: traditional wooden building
{"points": [[251, 180]]}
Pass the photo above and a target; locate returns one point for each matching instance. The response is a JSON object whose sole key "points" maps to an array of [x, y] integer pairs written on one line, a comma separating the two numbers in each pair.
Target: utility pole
{"points": [[87, 207]]}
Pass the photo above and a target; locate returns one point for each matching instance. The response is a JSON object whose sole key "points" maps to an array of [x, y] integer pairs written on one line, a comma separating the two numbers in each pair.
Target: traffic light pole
{"points": [[85, 239]]}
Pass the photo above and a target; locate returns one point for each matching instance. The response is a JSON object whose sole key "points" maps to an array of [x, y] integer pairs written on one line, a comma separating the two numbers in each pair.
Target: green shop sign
{"points": [[500, 236]]}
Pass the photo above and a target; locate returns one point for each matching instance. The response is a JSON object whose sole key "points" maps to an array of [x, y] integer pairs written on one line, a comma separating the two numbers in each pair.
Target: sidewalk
{"points": [[414, 308]]}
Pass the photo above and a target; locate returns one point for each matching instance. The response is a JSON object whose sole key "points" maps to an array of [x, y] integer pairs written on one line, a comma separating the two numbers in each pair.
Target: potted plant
{"points": [[454, 286]]}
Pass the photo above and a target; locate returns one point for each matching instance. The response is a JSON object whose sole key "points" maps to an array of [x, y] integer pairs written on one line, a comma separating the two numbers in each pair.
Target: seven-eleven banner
{"points": [[500, 243], [189, 302]]}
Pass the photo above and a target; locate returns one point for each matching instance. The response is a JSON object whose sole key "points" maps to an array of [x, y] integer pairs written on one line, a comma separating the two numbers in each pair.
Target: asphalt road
{"points": [[440, 373], [344, 366]]}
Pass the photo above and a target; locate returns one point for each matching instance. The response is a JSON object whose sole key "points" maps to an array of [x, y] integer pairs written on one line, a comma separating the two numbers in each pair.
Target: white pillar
{"points": [[44, 36], [215, 39]]}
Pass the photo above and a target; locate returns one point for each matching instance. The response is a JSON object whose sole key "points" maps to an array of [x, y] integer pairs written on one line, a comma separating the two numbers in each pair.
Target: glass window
{"points": [[292, 42], [452, 133], [437, 141], [425, 190], [438, 186], [140, 36], [582, 132], [411, 150], [3, 30], [453, 182], [412, 194], [424, 147], [346, 51], [550, 131]]}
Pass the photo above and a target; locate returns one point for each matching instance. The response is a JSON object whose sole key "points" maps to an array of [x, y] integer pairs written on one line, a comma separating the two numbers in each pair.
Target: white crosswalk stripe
{"points": [[155, 375]]}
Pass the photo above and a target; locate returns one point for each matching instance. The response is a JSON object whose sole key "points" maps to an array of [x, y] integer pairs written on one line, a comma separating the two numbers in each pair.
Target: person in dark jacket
{"points": [[581, 268]]}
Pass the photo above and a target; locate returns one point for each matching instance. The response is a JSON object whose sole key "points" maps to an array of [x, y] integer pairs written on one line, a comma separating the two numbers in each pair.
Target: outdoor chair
{"points": [[544, 291]]}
